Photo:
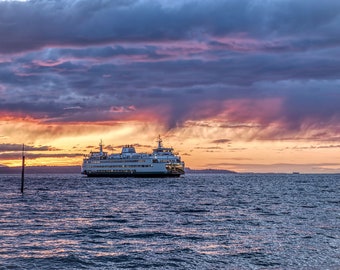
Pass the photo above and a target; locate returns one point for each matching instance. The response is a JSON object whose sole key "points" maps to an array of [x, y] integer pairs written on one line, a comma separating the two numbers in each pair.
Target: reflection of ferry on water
{"points": [[161, 163]]}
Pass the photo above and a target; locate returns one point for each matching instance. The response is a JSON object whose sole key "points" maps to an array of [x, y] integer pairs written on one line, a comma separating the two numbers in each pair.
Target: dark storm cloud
{"points": [[254, 62], [42, 23], [14, 151], [31, 156], [18, 147]]}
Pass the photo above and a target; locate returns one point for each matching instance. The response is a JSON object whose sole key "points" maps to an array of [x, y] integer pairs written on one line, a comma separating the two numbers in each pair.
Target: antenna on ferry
{"points": [[23, 169], [101, 146], [159, 141]]}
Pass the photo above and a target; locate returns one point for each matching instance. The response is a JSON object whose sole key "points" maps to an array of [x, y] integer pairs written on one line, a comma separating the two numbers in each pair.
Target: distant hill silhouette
{"points": [[188, 170]]}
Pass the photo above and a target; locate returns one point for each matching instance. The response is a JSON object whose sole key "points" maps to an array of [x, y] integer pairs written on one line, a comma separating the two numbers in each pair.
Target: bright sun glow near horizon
{"points": [[199, 147]]}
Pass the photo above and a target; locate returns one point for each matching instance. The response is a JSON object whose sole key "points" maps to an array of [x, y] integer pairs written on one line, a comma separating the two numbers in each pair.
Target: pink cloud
{"points": [[261, 111], [50, 63], [122, 109]]}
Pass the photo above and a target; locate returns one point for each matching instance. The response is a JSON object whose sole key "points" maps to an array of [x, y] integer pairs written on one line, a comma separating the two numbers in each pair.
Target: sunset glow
{"points": [[249, 86]]}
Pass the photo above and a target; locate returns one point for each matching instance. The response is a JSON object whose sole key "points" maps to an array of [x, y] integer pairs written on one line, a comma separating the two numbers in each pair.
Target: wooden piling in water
{"points": [[23, 169]]}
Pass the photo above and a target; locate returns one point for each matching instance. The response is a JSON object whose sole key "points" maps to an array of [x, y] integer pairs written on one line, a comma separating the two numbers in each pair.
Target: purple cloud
{"points": [[18, 147], [250, 62]]}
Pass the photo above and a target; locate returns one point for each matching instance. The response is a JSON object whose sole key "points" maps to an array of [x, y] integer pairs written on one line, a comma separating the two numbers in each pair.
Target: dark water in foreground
{"points": [[194, 222]]}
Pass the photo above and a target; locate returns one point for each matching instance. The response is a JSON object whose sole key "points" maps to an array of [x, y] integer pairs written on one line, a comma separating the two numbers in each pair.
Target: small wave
{"points": [[72, 261], [309, 206], [193, 211], [146, 235], [114, 219]]}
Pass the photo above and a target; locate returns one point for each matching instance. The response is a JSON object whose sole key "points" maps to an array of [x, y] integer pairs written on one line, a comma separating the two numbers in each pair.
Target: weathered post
{"points": [[23, 169]]}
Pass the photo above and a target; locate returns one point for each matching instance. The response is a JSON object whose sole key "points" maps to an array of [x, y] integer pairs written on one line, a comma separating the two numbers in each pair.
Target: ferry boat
{"points": [[128, 163]]}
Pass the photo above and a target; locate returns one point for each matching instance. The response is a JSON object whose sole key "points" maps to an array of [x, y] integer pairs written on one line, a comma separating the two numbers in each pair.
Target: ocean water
{"points": [[199, 221]]}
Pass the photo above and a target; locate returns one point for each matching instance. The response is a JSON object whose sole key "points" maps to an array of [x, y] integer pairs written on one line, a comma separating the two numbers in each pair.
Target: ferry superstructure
{"points": [[162, 162]]}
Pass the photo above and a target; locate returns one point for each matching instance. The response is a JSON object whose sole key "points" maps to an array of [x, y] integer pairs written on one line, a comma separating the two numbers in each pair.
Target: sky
{"points": [[244, 85]]}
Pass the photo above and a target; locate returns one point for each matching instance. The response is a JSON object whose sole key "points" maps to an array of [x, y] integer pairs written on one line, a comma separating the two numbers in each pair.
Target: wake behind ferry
{"points": [[128, 163]]}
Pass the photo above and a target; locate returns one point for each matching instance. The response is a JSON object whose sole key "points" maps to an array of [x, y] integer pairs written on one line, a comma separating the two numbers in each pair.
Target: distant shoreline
{"points": [[188, 170], [76, 169], [40, 169]]}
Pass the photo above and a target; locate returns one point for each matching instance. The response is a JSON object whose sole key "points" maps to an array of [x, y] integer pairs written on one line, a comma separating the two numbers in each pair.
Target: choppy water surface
{"points": [[193, 222]]}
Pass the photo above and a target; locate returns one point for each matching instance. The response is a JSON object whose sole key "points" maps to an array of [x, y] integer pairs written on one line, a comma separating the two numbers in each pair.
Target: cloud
{"points": [[221, 141], [11, 147], [46, 23], [33, 130], [32, 156], [312, 147], [209, 148], [265, 65]]}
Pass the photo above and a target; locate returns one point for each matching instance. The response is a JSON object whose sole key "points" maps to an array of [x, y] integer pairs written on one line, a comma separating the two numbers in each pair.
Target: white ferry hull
{"points": [[131, 174], [106, 169]]}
